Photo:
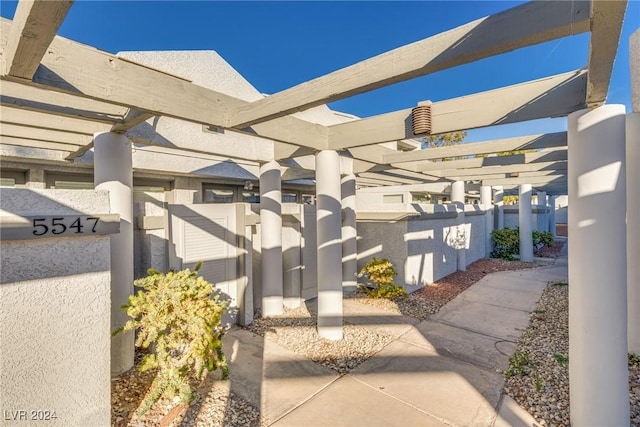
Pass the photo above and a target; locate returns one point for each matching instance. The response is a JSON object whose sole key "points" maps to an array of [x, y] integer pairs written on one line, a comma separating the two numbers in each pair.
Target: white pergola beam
{"points": [[542, 180], [131, 119], [17, 116], [391, 178], [108, 78], [25, 132], [31, 98], [514, 168], [532, 142], [525, 25], [539, 157], [35, 26], [41, 144], [606, 25], [552, 96], [490, 176]]}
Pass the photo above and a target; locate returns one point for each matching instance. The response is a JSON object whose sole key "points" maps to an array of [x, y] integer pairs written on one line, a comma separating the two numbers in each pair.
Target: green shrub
{"points": [[379, 274], [179, 316], [506, 242]]}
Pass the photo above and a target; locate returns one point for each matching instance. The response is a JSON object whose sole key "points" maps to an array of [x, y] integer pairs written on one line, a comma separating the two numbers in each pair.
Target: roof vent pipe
{"points": [[421, 118]]}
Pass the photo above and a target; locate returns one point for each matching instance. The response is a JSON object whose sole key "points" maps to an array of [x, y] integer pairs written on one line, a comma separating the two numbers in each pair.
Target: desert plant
{"points": [[561, 359], [542, 238], [537, 381], [379, 274], [517, 364], [179, 315]]}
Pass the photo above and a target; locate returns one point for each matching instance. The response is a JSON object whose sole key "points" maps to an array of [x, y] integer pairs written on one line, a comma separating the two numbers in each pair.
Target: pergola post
{"points": [[499, 212], [543, 223], [349, 233], [457, 198], [113, 172], [329, 229], [485, 200], [524, 222], [552, 215], [633, 198], [271, 238], [598, 370]]}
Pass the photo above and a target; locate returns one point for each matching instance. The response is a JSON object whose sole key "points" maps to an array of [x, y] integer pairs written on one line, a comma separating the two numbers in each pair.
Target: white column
{"points": [[633, 229], [457, 198], [329, 230], [113, 172], [543, 223], [633, 197], [524, 222], [485, 199], [349, 233], [499, 212], [597, 268], [271, 239], [552, 215]]}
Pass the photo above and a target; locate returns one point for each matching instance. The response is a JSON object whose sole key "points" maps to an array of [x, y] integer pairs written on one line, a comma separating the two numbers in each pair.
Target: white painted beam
{"points": [[548, 97], [532, 142], [131, 119], [525, 25], [606, 25], [535, 181], [19, 131], [515, 168], [538, 157], [35, 26], [391, 178], [493, 176], [27, 118], [109, 78], [38, 144]]}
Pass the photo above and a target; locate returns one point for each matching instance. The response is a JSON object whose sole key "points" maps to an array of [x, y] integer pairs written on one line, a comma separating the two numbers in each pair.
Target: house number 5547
{"points": [[65, 225]]}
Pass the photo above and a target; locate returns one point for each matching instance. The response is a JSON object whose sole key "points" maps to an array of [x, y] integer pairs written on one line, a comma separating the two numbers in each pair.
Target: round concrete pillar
{"points": [[633, 229], [349, 233], [543, 222], [457, 198], [113, 172], [329, 229], [525, 223], [597, 267], [499, 212], [271, 239], [552, 215], [485, 199]]}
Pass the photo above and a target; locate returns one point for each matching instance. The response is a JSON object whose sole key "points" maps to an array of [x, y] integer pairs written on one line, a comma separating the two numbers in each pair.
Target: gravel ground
{"points": [[296, 330], [542, 387]]}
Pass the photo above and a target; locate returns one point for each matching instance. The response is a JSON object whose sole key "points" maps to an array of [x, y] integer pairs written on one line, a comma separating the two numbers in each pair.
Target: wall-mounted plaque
{"points": [[46, 226]]}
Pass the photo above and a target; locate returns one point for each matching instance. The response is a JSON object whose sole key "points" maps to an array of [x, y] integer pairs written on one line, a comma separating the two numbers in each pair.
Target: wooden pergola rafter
{"points": [[56, 92]]}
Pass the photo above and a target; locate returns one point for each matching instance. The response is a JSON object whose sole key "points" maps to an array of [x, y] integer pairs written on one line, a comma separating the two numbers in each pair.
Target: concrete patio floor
{"points": [[437, 372]]}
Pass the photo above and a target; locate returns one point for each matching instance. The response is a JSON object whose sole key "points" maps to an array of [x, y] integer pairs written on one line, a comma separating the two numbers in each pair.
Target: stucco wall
{"points": [[476, 227], [55, 315], [511, 217]]}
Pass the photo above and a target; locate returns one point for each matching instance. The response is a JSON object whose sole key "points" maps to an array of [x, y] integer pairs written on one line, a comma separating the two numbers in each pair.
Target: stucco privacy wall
{"points": [[55, 314], [421, 247], [476, 229], [511, 217]]}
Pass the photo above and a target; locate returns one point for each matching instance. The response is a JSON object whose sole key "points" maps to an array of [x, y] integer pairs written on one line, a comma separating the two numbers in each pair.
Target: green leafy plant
{"points": [[179, 316], [537, 380], [379, 274], [518, 364], [561, 359], [634, 360], [506, 242]]}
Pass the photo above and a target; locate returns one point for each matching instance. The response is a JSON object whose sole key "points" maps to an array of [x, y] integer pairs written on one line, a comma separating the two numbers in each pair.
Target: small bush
{"points": [[379, 274], [179, 316], [506, 242], [518, 364]]}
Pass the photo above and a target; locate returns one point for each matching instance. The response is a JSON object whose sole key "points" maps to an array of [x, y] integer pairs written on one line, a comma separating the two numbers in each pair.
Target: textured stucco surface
{"points": [[55, 315], [476, 235]]}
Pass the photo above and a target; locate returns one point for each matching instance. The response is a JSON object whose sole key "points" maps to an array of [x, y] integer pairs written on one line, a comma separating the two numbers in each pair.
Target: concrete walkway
{"points": [[437, 372]]}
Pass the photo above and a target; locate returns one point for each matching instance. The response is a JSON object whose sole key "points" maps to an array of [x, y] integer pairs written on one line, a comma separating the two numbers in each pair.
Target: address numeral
{"points": [[57, 226]]}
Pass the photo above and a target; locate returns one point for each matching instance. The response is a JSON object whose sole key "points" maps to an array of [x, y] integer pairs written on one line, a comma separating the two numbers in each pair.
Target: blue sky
{"points": [[276, 45]]}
